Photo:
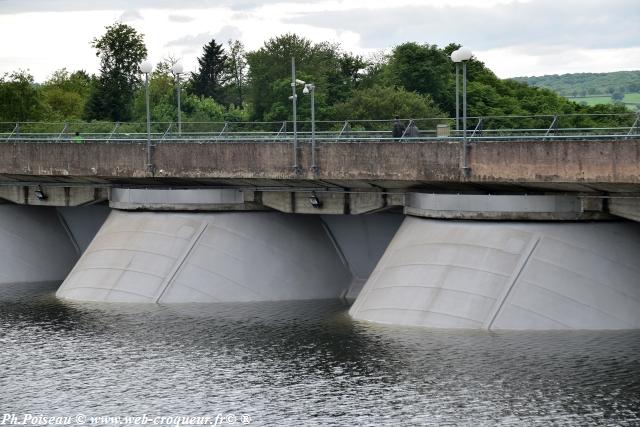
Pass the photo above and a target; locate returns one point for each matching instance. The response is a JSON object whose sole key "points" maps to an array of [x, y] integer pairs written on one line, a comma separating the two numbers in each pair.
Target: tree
{"points": [[19, 98], [379, 103], [212, 72], [617, 96], [344, 78], [237, 68], [270, 75], [162, 95], [121, 50], [424, 69], [65, 95]]}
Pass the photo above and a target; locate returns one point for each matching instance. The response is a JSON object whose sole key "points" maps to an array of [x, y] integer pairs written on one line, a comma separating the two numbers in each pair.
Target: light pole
{"points": [[310, 88], [462, 55], [293, 97], [146, 68], [454, 58], [177, 70]]}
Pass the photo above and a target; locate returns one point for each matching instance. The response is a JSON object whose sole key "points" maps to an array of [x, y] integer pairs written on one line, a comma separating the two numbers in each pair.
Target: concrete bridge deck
{"points": [[563, 165], [608, 169]]}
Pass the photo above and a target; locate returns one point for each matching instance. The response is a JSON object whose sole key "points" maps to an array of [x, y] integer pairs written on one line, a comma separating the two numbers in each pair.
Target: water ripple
{"points": [[303, 363]]}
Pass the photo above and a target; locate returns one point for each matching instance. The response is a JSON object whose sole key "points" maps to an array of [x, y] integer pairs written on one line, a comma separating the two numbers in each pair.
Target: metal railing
{"points": [[515, 127]]}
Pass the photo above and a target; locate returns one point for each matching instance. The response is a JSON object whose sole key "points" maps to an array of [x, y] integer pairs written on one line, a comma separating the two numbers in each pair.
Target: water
{"points": [[302, 363]]}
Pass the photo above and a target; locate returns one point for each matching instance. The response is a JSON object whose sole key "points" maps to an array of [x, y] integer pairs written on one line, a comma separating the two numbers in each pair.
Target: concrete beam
{"points": [[53, 196], [330, 203], [503, 207], [628, 207], [192, 199]]}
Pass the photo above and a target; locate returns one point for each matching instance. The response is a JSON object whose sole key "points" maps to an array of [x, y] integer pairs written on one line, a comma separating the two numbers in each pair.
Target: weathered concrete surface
{"points": [[330, 203], [556, 161], [625, 207], [164, 257], [341, 161], [110, 160], [586, 163], [506, 275], [53, 196]]}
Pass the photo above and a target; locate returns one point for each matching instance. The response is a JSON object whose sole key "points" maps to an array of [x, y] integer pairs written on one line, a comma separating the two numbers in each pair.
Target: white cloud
{"points": [[518, 61], [582, 23], [130, 15], [513, 37], [180, 18]]}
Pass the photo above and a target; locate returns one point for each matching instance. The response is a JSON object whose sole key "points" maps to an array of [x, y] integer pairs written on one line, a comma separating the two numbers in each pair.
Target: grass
{"points": [[630, 99]]}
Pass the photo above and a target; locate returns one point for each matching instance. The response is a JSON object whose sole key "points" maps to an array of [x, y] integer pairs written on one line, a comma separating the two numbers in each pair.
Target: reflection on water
{"points": [[303, 363]]}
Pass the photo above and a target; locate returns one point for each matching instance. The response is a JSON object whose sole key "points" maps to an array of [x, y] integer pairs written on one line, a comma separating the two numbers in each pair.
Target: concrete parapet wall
{"points": [[556, 161], [567, 161]]}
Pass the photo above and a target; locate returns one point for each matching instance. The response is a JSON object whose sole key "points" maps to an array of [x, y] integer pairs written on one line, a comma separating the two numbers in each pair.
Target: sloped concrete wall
{"points": [[361, 240], [491, 275], [34, 245], [207, 257], [83, 222]]}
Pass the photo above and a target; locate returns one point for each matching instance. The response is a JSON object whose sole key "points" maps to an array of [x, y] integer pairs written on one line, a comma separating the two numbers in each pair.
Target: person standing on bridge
{"points": [[78, 139], [412, 130], [398, 128]]}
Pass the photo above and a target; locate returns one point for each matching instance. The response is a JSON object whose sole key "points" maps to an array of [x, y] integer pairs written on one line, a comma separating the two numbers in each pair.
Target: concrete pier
{"points": [[506, 275], [160, 257], [34, 245]]}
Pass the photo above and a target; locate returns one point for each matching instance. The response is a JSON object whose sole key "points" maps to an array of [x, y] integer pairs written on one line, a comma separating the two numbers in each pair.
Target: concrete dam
{"points": [[541, 236]]}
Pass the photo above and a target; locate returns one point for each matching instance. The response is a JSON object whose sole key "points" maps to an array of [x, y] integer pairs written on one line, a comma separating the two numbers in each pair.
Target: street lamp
{"points": [[177, 70], [146, 68], [293, 98], [462, 55], [310, 88]]}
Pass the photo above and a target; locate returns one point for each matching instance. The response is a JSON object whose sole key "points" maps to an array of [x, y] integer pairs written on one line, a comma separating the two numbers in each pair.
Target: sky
{"points": [[513, 38]]}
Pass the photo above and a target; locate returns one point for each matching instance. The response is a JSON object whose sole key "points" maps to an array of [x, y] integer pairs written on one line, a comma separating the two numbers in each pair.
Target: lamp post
{"points": [[293, 97], [310, 88], [177, 70], [146, 68], [454, 58], [462, 55]]}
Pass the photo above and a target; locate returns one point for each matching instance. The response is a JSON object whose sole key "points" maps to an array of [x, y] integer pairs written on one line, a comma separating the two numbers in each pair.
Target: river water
{"points": [[301, 363]]}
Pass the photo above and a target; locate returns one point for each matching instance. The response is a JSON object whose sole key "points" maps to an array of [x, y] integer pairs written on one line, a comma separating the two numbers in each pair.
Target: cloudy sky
{"points": [[514, 38]]}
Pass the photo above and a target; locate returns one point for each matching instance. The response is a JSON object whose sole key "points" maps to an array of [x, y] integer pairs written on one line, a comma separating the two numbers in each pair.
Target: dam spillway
{"points": [[35, 245], [159, 257], [437, 273], [506, 275]]}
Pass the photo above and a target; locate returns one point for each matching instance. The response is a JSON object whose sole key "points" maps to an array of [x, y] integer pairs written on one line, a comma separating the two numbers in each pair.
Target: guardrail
{"points": [[516, 127]]}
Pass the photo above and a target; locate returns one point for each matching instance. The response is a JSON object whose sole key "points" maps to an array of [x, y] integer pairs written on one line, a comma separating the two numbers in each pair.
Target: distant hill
{"points": [[592, 88], [585, 84]]}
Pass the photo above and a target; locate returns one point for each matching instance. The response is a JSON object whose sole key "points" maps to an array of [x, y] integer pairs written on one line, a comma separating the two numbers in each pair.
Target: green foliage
{"points": [[19, 98], [379, 103], [121, 50], [413, 81], [237, 68], [212, 74], [270, 76], [65, 95], [161, 96], [198, 109], [617, 96], [581, 84], [423, 69]]}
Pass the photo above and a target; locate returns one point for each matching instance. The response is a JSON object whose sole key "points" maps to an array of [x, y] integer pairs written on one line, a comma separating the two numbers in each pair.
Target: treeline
{"points": [[588, 84], [412, 81]]}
